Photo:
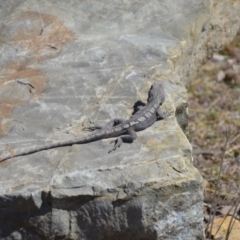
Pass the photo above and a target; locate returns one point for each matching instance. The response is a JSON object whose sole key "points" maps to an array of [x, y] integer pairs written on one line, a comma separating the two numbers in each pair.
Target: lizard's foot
{"points": [[167, 113], [117, 143], [161, 115]]}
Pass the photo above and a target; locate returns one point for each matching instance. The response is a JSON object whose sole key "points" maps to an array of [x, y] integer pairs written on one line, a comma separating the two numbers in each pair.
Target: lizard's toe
{"points": [[114, 141], [118, 143], [91, 128]]}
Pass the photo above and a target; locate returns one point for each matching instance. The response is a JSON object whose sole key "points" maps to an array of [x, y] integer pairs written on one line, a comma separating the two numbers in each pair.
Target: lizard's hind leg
{"points": [[109, 125], [126, 138]]}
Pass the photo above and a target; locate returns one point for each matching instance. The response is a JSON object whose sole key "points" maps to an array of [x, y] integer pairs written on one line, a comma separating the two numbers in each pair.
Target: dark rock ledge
{"points": [[65, 63]]}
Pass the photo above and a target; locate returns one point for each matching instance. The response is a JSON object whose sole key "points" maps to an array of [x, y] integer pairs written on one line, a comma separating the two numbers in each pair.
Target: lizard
{"points": [[124, 130]]}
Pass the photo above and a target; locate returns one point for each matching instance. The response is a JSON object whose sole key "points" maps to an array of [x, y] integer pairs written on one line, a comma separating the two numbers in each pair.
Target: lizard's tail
{"points": [[22, 152]]}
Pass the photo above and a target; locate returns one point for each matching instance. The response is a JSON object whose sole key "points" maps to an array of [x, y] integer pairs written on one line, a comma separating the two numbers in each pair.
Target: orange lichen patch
{"points": [[36, 79], [40, 37], [30, 25], [5, 110], [43, 36], [16, 89], [5, 127]]}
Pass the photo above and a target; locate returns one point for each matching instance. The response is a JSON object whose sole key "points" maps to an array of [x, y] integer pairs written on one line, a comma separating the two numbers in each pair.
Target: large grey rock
{"points": [[65, 63]]}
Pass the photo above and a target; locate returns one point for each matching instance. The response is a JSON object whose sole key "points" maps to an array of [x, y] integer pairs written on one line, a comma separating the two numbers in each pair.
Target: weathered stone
{"points": [[64, 63]]}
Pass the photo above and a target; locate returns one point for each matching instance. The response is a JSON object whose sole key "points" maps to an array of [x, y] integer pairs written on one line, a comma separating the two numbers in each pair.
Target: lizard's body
{"points": [[124, 130]]}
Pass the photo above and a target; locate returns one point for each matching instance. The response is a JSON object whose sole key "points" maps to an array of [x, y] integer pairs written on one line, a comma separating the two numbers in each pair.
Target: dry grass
{"points": [[214, 125]]}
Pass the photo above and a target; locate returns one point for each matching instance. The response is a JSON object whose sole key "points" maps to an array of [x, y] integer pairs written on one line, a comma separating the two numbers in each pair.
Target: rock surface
{"points": [[66, 63]]}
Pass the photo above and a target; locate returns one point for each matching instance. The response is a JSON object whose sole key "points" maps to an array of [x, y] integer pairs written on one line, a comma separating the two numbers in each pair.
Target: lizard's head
{"points": [[156, 91]]}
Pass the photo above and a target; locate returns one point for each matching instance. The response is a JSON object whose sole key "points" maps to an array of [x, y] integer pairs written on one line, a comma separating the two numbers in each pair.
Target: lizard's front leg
{"points": [[126, 138], [161, 115]]}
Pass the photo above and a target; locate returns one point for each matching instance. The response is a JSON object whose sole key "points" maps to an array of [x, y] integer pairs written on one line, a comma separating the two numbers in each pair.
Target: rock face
{"points": [[67, 63]]}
